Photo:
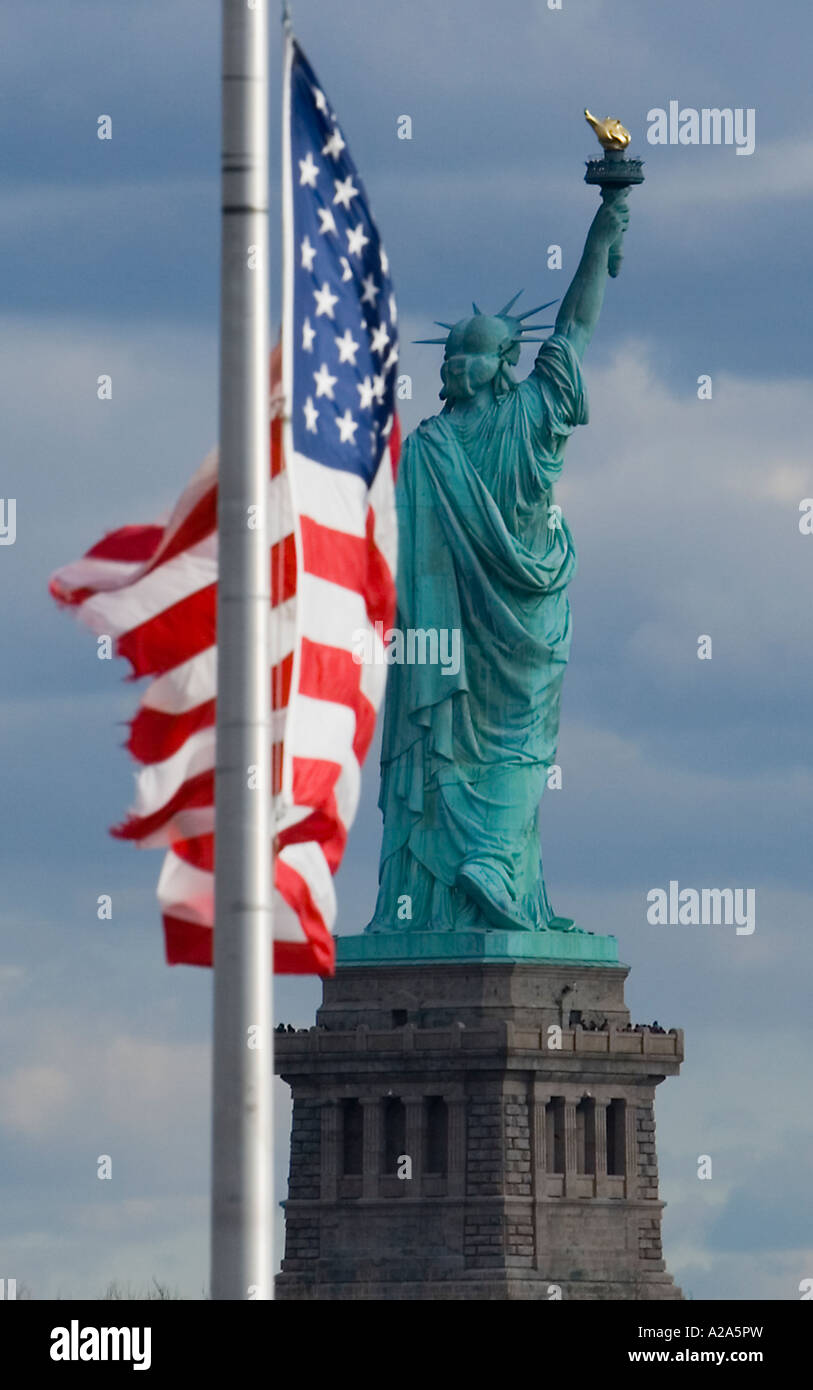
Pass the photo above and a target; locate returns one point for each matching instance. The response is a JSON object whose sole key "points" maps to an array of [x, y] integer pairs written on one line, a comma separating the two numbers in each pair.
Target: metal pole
{"points": [[242, 1063]]}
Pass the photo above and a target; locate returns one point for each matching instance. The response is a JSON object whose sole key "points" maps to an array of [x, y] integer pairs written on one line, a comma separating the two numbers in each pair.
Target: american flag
{"points": [[333, 456]]}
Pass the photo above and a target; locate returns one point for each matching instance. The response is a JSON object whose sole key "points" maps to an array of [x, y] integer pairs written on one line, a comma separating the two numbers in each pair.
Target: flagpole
{"points": [[242, 1215]]}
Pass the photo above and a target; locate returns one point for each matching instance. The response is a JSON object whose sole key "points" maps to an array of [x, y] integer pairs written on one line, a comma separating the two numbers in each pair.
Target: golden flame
{"points": [[611, 134]]}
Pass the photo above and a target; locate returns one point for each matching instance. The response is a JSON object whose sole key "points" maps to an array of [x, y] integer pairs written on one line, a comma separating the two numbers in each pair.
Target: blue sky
{"points": [[685, 515]]}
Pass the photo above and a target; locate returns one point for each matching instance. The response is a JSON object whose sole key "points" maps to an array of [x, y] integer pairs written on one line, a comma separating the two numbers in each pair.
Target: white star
{"points": [[324, 382], [379, 340], [311, 415], [393, 309], [365, 390], [371, 290], [308, 335], [325, 301], [385, 261], [392, 359], [319, 98], [347, 428], [344, 191], [335, 144], [378, 387], [327, 220], [347, 273], [348, 347], [308, 253], [356, 241], [387, 430], [307, 172]]}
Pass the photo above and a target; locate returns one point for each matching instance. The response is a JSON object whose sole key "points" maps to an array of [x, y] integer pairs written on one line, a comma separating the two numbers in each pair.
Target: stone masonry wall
{"points": [[498, 1163], [647, 1157], [649, 1228], [304, 1177]]}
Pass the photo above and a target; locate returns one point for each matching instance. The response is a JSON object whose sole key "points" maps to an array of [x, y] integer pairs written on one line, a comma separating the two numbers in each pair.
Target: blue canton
{"points": [[345, 341]]}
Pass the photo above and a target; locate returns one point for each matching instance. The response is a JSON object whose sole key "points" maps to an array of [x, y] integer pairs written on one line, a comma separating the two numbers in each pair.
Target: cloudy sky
{"points": [[685, 514]]}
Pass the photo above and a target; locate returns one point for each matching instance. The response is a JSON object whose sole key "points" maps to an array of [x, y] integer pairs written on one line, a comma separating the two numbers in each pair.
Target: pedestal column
{"points": [[456, 1110], [371, 1147], [571, 1172], [331, 1113], [600, 1113], [414, 1106]]}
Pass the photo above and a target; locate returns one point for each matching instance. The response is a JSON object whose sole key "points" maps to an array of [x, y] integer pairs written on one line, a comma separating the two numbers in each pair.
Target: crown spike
{"points": [[532, 327], [507, 307], [429, 340], [443, 325], [538, 308], [474, 307]]}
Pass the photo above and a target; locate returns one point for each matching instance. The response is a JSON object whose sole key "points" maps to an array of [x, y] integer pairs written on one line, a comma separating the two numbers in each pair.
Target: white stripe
{"points": [[189, 824], [323, 730], [157, 783], [348, 790], [280, 509], [309, 862], [330, 496], [146, 598], [382, 500], [330, 613], [90, 573], [186, 891], [186, 686]]}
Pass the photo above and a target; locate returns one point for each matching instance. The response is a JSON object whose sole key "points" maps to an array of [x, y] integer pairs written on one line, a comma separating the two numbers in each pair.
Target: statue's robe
{"points": [[465, 756]]}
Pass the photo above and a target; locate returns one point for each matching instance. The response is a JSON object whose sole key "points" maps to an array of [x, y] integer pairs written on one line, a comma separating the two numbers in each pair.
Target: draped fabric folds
{"points": [[484, 551]]}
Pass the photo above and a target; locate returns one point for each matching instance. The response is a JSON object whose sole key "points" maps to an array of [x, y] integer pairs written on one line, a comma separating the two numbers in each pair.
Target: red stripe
{"points": [[334, 555], [173, 636], [63, 594], [195, 527], [281, 682], [277, 458], [328, 673], [314, 780], [199, 852], [323, 827], [320, 952], [395, 444], [191, 795], [189, 943], [130, 544], [305, 958], [186, 943], [353, 562], [156, 735], [379, 586], [283, 570]]}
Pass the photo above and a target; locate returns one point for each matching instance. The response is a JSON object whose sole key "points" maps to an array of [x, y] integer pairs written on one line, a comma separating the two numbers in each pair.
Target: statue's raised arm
{"points": [[581, 306]]}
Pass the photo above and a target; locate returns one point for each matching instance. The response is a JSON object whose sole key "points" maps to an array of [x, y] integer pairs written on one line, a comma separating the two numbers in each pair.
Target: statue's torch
{"points": [[613, 171]]}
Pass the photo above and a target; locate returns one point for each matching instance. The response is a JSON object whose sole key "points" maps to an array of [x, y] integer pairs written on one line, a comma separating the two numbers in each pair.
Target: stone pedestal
{"points": [[463, 1130]]}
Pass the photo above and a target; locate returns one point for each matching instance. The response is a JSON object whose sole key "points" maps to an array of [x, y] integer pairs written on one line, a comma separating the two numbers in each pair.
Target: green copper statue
{"points": [[484, 551]]}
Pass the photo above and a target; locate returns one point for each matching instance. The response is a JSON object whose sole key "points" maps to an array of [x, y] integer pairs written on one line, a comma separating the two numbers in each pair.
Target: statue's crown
{"points": [[490, 333]]}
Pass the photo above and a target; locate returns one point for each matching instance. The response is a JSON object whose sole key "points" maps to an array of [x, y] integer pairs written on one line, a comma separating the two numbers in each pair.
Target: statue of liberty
{"points": [[484, 551]]}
